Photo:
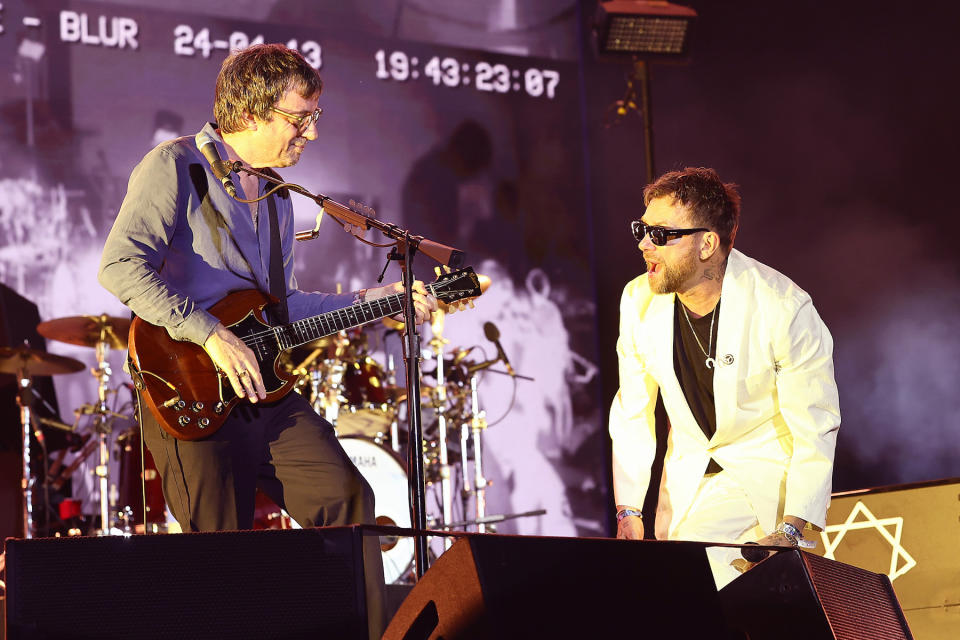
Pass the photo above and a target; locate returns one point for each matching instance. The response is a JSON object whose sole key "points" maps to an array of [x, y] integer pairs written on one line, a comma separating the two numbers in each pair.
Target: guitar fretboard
{"points": [[325, 324], [309, 329]]}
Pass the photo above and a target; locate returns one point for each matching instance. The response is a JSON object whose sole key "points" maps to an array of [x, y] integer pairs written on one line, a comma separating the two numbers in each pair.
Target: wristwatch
{"points": [[795, 536], [623, 513]]}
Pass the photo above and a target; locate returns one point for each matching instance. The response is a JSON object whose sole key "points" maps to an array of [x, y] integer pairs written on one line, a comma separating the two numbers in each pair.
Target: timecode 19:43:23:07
{"points": [[482, 76]]}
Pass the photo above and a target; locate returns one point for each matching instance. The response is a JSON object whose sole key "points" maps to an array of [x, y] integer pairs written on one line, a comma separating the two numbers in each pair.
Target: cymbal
{"points": [[35, 362], [87, 331]]}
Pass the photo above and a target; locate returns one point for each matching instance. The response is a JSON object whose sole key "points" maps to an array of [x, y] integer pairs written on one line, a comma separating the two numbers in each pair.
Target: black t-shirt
{"points": [[689, 363]]}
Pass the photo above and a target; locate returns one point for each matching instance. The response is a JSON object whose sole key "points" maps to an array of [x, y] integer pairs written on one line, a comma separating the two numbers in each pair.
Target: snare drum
{"points": [[386, 475]]}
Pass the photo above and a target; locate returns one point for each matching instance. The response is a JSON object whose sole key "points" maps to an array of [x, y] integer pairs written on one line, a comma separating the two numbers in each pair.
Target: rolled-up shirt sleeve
{"points": [[137, 246], [304, 304]]}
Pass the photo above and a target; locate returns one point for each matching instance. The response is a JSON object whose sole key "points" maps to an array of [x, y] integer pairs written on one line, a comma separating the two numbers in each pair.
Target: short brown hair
{"points": [[254, 79], [711, 202]]}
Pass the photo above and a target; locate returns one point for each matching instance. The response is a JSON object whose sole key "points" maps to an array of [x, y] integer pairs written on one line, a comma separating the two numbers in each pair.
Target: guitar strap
{"points": [[278, 285]]}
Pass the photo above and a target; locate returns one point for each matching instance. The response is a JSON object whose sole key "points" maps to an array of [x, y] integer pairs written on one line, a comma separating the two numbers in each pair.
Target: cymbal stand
{"points": [[103, 427], [440, 403], [25, 401], [395, 420], [477, 425], [406, 246], [326, 381]]}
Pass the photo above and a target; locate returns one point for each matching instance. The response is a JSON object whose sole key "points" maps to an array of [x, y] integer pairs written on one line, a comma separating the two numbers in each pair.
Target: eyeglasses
{"points": [[659, 235], [301, 122]]}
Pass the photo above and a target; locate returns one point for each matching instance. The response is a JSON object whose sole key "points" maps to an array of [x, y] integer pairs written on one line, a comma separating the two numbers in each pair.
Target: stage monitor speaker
{"points": [[244, 584], [795, 595], [910, 533], [503, 587]]}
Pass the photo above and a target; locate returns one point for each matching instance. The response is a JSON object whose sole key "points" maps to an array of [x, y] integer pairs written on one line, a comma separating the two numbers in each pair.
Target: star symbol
{"points": [[871, 522]]}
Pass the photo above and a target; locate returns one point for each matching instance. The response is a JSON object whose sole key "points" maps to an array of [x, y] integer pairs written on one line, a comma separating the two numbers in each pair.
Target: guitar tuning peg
{"points": [[446, 268], [470, 303], [436, 271]]}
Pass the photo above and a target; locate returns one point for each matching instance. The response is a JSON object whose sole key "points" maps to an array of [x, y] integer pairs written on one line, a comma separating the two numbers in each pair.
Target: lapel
{"points": [[729, 334], [662, 309]]}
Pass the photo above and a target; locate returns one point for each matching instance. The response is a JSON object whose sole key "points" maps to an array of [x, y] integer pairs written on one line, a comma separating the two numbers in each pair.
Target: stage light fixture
{"points": [[643, 28]]}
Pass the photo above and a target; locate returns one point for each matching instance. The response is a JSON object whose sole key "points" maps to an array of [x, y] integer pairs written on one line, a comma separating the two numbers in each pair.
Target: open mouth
{"points": [[653, 267]]}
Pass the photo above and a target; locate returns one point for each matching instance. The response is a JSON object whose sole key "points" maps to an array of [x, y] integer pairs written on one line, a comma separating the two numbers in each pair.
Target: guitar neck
{"points": [[326, 324]]}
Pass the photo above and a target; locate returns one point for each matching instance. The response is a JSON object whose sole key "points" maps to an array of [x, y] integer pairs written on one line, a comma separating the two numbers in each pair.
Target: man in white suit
{"points": [[745, 368]]}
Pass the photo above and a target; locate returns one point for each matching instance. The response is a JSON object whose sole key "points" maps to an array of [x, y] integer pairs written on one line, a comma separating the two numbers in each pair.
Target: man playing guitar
{"points": [[180, 244]]}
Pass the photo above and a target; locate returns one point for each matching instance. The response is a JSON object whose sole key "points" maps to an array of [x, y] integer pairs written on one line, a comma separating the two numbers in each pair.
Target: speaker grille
{"points": [[857, 602], [248, 584]]}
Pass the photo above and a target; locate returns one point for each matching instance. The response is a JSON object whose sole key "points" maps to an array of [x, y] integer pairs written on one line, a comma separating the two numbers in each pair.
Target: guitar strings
{"points": [[259, 337]]}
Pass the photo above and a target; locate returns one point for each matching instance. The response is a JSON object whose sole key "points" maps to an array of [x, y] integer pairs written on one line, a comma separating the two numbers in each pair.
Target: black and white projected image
{"points": [[472, 148]]}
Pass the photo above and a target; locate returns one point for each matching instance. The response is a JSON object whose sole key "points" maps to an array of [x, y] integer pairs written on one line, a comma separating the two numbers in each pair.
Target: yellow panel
{"points": [[912, 534]]}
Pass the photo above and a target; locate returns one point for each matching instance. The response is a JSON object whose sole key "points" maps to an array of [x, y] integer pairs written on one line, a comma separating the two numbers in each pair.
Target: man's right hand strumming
{"points": [[629, 527], [236, 360]]}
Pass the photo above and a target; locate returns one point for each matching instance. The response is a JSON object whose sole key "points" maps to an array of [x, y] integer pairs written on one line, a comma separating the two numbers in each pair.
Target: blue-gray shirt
{"points": [[180, 243]]}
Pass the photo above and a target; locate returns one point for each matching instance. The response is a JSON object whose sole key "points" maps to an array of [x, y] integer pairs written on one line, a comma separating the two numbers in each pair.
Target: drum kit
{"points": [[343, 381], [102, 333]]}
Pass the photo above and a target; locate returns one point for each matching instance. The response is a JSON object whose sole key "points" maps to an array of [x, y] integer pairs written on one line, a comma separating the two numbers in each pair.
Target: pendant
{"points": [[710, 362]]}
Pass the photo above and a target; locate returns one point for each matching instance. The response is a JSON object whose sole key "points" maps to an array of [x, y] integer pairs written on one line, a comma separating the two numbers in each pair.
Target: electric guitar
{"points": [[191, 397]]}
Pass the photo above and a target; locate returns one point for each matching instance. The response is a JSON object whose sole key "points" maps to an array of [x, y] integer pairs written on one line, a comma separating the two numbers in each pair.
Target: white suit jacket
{"points": [[776, 399]]}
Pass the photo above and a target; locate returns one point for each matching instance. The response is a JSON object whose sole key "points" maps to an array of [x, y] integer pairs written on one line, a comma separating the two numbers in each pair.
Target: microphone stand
{"points": [[407, 246], [411, 354]]}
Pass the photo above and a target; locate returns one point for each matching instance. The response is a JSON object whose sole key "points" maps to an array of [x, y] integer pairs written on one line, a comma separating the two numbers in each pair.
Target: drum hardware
{"points": [[480, 483], [386, 475], [268, 515], [142, 506], [72, 517], [387, 542], [439, 398], [392, 387], [489, 521], [58, 477], [27, 363], [101, 332]]}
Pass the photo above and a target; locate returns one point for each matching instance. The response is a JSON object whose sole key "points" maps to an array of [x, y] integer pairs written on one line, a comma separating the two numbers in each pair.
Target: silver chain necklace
{"points": [[709, 362]]}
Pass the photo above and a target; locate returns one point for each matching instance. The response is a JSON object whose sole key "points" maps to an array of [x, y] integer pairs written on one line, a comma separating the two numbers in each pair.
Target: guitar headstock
{"points": [[456, 289]]}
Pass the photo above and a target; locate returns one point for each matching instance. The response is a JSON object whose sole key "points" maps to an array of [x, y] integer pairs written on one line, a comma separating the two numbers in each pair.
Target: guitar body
{"points": [[178, 381], [191, 398]]}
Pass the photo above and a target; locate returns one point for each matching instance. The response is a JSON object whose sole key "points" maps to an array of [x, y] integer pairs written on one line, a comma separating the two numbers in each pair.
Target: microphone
{"points": [[493, 335], [220, 168]]}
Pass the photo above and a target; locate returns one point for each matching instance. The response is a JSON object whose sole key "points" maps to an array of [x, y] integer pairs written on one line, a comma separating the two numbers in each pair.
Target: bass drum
{"points": [[386, 475]]}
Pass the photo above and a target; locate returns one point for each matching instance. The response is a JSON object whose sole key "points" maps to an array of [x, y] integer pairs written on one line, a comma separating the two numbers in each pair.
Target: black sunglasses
{"points": [[659, 235]]}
